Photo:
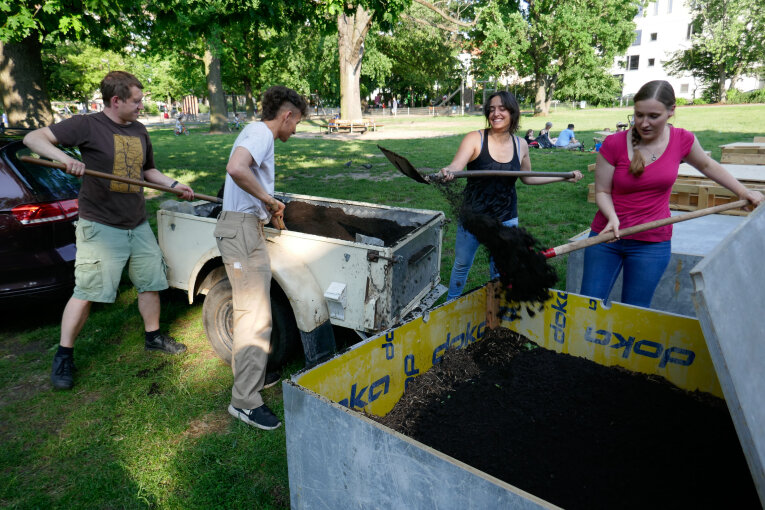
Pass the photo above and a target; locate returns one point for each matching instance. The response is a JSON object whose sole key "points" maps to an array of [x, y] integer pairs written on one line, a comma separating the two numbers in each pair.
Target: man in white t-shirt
{"points": [[248, 204]]}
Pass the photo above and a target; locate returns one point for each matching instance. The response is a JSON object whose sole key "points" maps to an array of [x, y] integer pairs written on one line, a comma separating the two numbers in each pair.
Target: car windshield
{"points": [[47, 183]]}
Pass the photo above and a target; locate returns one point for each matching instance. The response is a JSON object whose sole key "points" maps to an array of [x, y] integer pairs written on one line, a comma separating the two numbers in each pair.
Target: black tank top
{"points": [[494, 196]]}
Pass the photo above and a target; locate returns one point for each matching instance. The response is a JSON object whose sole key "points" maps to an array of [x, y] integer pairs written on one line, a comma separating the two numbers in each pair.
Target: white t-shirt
{"points": [[259, 142]]}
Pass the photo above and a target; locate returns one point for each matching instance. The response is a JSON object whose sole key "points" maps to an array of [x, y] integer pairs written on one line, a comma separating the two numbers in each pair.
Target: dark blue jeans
{"points": [[643, 263], [464, 252]]}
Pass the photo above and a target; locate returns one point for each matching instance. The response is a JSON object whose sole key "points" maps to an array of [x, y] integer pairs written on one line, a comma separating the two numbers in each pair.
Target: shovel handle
{"points": [[118, 178], [590, 241], [437, 177]]}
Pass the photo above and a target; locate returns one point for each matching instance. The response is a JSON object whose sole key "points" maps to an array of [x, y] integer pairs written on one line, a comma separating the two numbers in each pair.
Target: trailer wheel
{"points": [[218, 317]]}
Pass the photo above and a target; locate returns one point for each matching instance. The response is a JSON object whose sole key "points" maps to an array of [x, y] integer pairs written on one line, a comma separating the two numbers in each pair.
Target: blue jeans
{"points": [[464, 253], [643, 263]]}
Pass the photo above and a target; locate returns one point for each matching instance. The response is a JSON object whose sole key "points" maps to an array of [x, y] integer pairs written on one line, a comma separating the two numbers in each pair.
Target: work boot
{"points": [[62, 374], [164, 343], [261, 417]]}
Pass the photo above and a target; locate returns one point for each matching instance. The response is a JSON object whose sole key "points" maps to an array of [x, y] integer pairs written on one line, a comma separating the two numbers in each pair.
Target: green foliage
{"points": [[728, 42], [754, 96], [566, 46], [681, 101], [203, 108]]}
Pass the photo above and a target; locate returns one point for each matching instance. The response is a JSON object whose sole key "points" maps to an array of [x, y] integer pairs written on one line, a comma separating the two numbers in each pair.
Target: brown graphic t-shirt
{"points": [[114, 149]]}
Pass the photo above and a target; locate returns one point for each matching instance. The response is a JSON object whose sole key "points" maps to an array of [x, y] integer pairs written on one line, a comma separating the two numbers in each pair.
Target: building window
{"points": [[669, 6], [638, 34], [654, 36], [656, 8], [632, 62], [684, 88], [651, 62]]}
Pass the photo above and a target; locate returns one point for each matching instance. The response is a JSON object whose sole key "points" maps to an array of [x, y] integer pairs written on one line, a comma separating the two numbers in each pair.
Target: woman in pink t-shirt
{"points": [[634, 174]]}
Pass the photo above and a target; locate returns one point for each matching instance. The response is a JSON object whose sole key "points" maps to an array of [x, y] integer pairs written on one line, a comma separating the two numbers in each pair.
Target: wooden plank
{"points": [[743, 159]]}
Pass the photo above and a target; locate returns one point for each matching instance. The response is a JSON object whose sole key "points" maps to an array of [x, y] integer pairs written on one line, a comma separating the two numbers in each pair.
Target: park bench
{"points": [[352, 126]]}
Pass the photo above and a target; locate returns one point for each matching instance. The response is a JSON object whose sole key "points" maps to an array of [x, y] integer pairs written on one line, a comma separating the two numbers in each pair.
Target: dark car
{"points": [[38, 208]]}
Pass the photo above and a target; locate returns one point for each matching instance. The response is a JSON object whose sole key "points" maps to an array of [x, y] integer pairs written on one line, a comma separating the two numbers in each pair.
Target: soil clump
{"points": [[575, 433]]}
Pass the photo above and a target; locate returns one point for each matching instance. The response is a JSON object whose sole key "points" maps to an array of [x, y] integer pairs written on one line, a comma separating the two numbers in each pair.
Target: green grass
{"points": [[146, 431]]}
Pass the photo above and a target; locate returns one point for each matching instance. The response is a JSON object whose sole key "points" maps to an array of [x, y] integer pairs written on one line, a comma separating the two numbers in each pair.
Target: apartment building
{"points": [[663, 27]]}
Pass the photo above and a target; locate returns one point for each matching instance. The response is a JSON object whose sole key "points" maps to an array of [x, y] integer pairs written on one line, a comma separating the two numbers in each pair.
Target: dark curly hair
{"points": [[510, 104], [276, 96]]}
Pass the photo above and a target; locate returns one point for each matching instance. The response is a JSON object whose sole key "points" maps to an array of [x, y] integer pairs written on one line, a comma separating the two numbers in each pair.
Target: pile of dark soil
{"points": [[575, 433], [335, 223]]}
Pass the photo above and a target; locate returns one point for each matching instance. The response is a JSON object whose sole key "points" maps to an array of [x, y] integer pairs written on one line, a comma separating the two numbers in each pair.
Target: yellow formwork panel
{"points": [[372, 375], [638, 339]]}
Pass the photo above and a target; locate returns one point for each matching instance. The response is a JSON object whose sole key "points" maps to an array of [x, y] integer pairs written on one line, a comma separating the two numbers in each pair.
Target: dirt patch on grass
{"points": [[211, 423], [576, 433]]}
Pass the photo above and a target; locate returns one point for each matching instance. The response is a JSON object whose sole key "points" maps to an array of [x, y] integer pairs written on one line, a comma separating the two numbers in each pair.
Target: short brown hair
{"points": [[276, 96], [118, 83]]}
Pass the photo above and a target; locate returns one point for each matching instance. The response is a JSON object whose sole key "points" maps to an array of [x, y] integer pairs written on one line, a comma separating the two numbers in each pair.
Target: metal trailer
{"points": [[338, 458], [317, 281]]}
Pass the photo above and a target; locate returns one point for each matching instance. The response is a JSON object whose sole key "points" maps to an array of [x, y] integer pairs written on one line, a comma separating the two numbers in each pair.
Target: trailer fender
{"points": [[193, 288], [302, 289]]}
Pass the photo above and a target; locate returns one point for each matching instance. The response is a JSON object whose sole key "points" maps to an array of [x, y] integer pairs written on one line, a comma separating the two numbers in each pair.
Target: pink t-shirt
{"points": [[646, 198]]}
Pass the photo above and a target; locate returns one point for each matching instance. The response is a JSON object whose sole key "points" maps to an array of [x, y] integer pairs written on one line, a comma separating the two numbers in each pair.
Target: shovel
{"points": [[590, 241], [406, 168], [278, 222]]}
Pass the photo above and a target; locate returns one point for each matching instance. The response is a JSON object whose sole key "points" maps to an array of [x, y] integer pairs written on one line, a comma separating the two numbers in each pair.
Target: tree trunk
{"points": [[22, 85], [541, 104], [218, 116], [721, 83], [249, 101], [351, 33]]}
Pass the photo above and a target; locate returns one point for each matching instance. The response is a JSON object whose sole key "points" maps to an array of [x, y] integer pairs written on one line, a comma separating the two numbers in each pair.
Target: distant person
{"points": [[494, 148], [394, 106], [113, 228], [5, 120], [530, 140], [634, 174], [544, 139], [567, 139], [180, 126]]}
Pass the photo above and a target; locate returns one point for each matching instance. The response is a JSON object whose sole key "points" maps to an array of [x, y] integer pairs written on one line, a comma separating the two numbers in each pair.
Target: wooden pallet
{"points": [[691, 194], [744, 154]]}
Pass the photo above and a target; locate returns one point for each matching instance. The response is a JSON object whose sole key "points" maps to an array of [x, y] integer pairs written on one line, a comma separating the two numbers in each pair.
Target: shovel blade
{"points": [[403, 165]]}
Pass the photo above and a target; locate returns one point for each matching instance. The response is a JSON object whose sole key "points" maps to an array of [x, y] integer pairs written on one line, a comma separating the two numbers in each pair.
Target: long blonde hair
{"points": [[661, 91]]}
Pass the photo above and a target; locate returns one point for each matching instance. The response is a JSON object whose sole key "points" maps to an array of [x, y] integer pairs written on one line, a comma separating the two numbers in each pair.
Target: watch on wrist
{"points": [[174, 184]]}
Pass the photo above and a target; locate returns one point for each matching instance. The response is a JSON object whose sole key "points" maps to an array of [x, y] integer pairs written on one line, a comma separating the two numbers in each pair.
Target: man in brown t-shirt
{"points": [[112, 226]]}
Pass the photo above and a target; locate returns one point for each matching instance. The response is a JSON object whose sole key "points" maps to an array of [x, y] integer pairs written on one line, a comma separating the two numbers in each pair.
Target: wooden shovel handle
{"points": [[118, 178], [590, 241]]}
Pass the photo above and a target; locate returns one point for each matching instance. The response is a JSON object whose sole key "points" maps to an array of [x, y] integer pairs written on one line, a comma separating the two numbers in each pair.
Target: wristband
{"points": [[174, 184]]}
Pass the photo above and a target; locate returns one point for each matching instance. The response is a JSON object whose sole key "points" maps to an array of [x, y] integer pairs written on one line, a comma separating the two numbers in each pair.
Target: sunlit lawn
{"points": [[142, 430]]}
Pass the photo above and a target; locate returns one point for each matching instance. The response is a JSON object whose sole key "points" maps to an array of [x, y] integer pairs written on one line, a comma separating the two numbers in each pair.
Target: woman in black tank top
{"points": [[495, 148]]}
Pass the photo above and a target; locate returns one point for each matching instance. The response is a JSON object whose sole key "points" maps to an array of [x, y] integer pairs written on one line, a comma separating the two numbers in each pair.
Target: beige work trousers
{"points": [[242, 246]]}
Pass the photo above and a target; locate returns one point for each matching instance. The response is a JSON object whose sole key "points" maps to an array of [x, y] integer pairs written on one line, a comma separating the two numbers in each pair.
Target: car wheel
{"points": [[218, 319]]}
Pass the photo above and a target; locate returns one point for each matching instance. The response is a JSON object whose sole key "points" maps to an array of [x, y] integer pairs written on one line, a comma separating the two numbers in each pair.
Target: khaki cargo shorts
{"points": [[103, 251]]}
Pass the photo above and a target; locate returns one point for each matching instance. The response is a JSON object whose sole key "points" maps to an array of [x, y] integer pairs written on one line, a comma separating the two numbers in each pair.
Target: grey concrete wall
{"points": [[730, 296], [691, 241], [339, 459]]}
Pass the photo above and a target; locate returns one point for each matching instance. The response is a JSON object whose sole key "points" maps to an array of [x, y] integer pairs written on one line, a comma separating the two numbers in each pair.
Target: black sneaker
{"points": [[62, 374], [260, 417], [272, 378], [165, 343]]}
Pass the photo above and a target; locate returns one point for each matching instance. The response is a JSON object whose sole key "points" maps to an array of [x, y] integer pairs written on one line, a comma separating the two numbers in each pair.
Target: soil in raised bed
{"points": [[335, 223], [575, 433]]}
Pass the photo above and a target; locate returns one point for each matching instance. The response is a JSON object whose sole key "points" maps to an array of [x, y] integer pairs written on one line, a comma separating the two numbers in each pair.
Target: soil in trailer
{"points": [[575, 433], [335, 223]]}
